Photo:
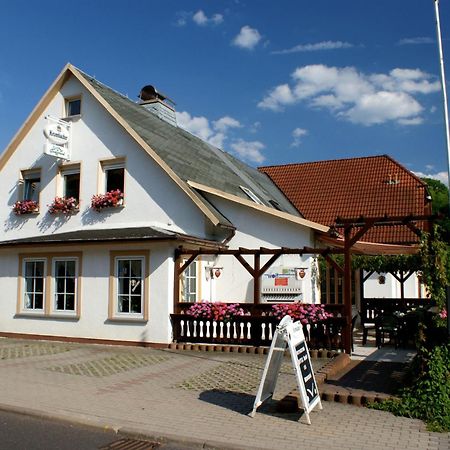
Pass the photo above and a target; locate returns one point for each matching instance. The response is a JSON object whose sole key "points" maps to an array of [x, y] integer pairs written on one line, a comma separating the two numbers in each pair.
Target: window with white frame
{"points": [[65, 275], [129, 293], [113, 175], [189, 283], [34, 273]]}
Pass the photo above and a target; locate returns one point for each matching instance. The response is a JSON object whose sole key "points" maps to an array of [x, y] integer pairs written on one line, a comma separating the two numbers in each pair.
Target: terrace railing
{"points": [[254, 330]]}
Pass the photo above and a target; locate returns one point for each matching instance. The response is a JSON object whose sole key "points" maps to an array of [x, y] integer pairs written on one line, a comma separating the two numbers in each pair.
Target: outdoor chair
{"points": [[368, 322], [387, 326]]}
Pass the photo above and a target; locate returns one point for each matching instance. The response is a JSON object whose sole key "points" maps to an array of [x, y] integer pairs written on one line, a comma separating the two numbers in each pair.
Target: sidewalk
{"points": [[191, 397]]}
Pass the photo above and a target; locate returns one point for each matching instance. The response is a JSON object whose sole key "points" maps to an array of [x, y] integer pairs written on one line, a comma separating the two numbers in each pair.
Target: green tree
{"points": [[440, 205]]}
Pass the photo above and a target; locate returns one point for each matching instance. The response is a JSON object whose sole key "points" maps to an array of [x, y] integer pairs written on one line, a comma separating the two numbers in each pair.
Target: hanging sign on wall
{"points": [[58, 136]]}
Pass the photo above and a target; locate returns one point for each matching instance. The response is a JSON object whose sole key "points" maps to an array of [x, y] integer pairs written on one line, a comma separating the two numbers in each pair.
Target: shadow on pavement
{"points": [[242, 403], [378, 376]]}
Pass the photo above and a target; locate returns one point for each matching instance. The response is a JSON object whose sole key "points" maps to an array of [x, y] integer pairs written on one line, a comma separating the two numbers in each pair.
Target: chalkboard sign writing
{"points": [[304, 363]]}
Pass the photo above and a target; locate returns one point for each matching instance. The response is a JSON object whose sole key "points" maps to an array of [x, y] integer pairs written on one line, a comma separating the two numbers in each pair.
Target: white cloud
{"points": [[441, 176], [226, 122], [247, 38], [255, 127], [354, 96], [325, 45], [249, 150], [384, 106], [215, 134], [297, 134], [416, 41], [216, 19], [277, 98], [201, 19]]}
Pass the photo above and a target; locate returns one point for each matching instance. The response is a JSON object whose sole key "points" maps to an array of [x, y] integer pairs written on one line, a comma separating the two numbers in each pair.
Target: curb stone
{"points": [[187, 443]]}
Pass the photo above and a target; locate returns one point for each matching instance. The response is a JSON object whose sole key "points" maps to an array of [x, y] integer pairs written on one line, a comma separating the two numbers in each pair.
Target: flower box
{"points": [[111, 199], [62, 205], [25, 207], [306, 313], [218, 311]]}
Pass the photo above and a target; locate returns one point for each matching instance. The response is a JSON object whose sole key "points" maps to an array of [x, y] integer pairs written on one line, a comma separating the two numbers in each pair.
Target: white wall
{"points": [[151, 198], [254, 230], [391, 288], [93, 321]]}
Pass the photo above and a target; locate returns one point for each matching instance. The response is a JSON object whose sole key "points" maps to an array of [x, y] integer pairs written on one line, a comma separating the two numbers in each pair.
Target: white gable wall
{"points": [[151, 197], [255, 229]]}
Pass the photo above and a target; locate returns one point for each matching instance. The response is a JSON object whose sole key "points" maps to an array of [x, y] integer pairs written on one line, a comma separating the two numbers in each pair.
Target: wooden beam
{"points": [[333, 263], [347, 332], [188, 263], [246, 265], [257, 280], [360, 233], [414, 229], [269, 263], [369, 274]]}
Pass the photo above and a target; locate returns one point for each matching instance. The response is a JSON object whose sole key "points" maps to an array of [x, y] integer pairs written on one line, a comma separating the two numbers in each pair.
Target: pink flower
{"points": [[443, 314]]}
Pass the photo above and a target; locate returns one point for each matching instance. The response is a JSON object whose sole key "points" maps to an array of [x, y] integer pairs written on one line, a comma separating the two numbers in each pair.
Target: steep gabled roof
{"points": [[181, 155], [190, 157], [370, 186]]}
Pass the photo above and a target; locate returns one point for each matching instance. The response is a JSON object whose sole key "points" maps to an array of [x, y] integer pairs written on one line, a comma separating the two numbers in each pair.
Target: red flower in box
{"points": [[25, 207], [111, 199], [63, 205]]}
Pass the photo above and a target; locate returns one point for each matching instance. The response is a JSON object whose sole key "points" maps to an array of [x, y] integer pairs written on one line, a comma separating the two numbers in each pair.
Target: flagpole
{"points": [[444, 90]]}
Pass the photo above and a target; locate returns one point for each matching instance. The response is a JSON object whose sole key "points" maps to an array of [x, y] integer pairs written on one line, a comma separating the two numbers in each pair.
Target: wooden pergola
{"points": [[353, 230], [255, 270]]}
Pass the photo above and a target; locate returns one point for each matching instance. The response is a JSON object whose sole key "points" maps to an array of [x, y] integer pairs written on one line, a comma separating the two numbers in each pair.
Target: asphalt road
{"points": [[21, 432]]}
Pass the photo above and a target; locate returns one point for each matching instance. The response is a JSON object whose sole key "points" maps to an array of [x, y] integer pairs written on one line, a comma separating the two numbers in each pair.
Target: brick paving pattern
{"points": [[106, 367], [143, 400], [26, 350]]}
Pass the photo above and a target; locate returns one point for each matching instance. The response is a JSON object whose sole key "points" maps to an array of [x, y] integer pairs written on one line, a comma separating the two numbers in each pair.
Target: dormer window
{"points": [[251, 195], [73, 107]]}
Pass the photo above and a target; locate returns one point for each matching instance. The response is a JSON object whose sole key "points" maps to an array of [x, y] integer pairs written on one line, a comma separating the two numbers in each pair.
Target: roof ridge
{"points": [[325, 161]]}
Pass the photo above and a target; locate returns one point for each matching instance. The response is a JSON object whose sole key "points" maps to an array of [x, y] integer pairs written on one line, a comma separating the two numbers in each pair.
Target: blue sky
{"points": [[272, 82]]}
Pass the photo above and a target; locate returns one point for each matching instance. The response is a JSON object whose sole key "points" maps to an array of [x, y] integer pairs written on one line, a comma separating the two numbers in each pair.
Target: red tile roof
{"points": [[348, 188]]}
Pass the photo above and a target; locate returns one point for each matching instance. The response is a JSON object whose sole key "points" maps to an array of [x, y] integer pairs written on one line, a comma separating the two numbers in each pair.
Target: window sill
{"points": [[73, 118], [139, 320], [109, 208], [70, 213], [52, 316], [27, 214]]}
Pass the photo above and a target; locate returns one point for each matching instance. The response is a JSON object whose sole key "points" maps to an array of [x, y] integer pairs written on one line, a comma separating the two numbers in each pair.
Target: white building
{"points": [[109, 275]]}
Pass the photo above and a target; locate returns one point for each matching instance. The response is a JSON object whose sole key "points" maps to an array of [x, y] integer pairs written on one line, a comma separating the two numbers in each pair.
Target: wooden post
{"points": [[347, 334], [176, 280], [257, 279]]}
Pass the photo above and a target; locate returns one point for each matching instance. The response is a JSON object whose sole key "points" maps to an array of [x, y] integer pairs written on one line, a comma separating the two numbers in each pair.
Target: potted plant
{"points": [[111, 199], [63, 205], [25, 207]]}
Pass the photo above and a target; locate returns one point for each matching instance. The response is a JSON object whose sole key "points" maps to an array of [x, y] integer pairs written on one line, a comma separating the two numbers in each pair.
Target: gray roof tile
{"points": [[191, 158]]}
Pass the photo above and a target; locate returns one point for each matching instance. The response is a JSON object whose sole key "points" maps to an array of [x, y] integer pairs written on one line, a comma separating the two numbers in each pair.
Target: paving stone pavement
{"points": [[196, 397]]}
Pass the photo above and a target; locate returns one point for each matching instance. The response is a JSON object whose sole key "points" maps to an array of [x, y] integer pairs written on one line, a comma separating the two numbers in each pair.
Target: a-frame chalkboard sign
{"points": [[289, 334]]}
